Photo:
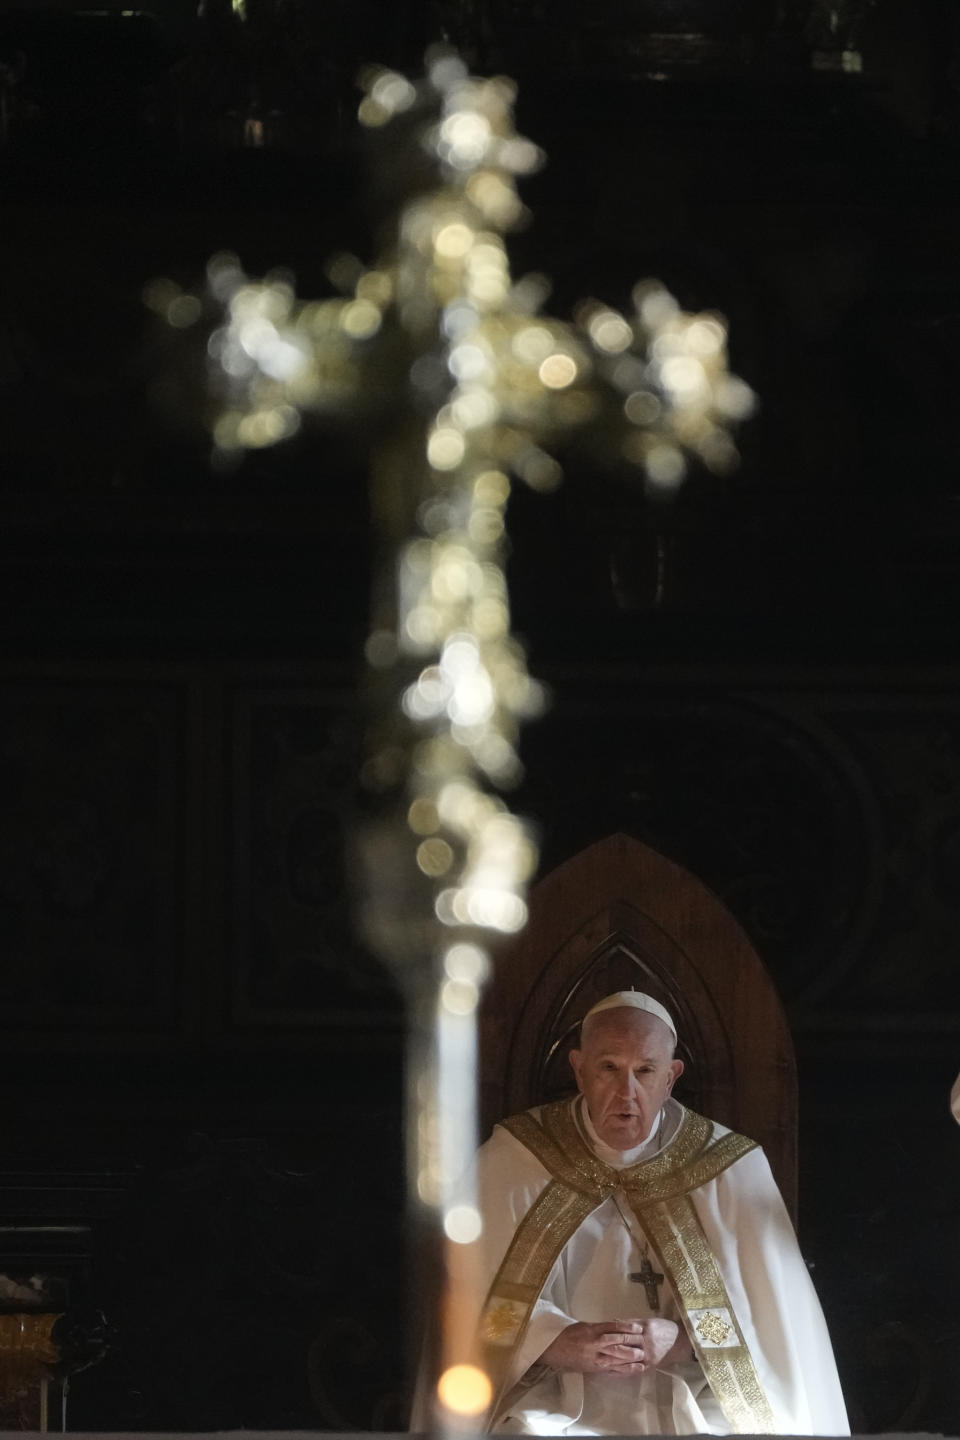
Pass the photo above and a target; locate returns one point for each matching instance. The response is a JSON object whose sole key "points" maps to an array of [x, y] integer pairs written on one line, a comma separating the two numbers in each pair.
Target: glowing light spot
{"points": [[456, 576], [706, 336], [489, 287], [473, 409], [558, 371], [655, 304], [416, 705], [224, 274], [460, 805], [719, 452], [468, 362], [485, 526], [539, 470], [491, 618], [344, 271], [503, 89], [375, 286], [459, 318], [463, 1225], [488, 253], [361, 318], [225, 435], [435, 516], [734, 398], [445, 449], [280, 359], [433, 687], [453, 241], [629, 373], [422, 625], [184, 311], [472, 701], [665, 466], [519, 155], [422, 816], [642, 407], [534, 700], [492, 488], [467, 962], [498, 909], [393, 92], [255, 334], [428, 1185], [460, 997], [495, 198], [266, 427], [532, 344], [372, 114], [443, 907], [685, 376], [434, 856], [610, 332], [530, 292], [447, 71], [160, 294], [498, 758], [460, 656], [466, 138], [419, 557]]}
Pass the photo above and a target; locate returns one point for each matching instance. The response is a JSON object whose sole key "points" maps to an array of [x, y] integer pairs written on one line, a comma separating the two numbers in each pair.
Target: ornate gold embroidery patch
{"points": [[500, 1322], [710, 1327]]}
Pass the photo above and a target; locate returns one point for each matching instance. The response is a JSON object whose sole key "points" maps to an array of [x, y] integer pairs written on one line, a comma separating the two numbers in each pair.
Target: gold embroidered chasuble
{"points": [[658, 1192]]}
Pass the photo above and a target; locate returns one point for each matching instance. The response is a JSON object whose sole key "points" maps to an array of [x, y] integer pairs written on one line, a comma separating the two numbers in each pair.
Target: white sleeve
{"points": [[548, 1320], [748, 1228]]}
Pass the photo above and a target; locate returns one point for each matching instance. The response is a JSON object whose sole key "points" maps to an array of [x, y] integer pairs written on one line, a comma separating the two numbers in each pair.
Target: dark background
{"points": [[200, 1067]]}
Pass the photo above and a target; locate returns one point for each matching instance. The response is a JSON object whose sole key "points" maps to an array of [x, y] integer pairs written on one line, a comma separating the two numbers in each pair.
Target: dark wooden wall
{"points": [[200, 1067]]}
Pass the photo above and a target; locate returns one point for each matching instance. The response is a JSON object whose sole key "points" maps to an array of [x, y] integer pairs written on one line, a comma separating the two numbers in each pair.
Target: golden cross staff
{"points": [[463, 382]]}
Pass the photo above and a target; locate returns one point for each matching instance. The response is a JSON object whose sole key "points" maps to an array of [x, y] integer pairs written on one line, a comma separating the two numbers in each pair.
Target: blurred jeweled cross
{"points": [[466, 385]]}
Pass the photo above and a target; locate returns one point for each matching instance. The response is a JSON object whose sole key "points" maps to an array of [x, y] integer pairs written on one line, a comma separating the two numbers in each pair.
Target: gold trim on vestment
{"points": [[675, 1231], [658, 1192], [556, 1215]]}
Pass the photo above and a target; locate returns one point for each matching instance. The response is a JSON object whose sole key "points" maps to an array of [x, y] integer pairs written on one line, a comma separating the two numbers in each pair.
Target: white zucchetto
{"points": [[637, 1000]]}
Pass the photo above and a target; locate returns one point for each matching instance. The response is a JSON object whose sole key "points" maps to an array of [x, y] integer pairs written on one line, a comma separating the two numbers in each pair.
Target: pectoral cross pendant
{"points": [[650, 1280]]}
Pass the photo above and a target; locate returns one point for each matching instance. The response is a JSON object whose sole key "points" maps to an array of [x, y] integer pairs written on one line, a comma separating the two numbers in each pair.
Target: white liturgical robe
{"points": [[770, 1316]]}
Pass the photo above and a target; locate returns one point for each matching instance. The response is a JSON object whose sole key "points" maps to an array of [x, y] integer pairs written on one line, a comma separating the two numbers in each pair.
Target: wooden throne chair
{"points": [[616, 916]]}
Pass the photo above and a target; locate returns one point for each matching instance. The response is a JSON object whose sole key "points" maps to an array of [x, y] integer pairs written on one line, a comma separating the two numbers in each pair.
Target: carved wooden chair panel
{"points": [[616, 916]]}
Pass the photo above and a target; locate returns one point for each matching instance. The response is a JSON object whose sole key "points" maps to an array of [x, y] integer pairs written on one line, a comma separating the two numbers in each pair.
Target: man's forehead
{"points": [[623, 1026]]}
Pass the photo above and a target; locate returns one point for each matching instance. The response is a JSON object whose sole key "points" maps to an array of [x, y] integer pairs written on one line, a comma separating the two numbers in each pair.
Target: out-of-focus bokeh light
{"points": [[463, 1224], [465, 1389], [459, 997], [467, 962]]}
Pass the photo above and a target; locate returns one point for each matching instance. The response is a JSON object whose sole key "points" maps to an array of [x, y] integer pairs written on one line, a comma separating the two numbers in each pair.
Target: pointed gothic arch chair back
{"points": [[619, 915]]}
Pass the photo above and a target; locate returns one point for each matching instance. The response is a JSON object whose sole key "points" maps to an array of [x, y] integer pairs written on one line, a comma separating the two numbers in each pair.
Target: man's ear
{"points": [[675, 1071], [576, 1065]]}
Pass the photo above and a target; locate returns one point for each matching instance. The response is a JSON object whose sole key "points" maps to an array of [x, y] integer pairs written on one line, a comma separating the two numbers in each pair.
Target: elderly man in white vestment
{"points": [[643, 1274]]}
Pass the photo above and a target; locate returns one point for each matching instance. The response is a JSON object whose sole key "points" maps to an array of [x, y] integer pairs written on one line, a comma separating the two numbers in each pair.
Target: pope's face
{"points": [[625, 1070]]}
